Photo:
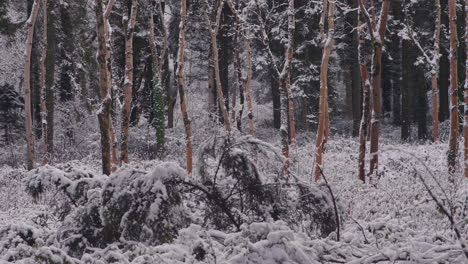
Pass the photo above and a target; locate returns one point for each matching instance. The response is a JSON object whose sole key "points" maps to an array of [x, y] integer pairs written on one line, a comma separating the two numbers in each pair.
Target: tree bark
{"points": [[247, 86], [323, 127], [248, 56], [27, 86], [407, 84], [376, 89], [355, 76], [363, 127], [287, 108], [444, 74], [157, 66], [213, 27], [113, 139], [465, 94], [104, 113], [128, 82], [43, 87], [238, 85], [453, 138], [434, 75], [181, 82]]}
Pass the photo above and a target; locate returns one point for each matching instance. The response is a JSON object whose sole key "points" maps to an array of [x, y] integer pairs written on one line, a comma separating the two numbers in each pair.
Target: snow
{"points": [[390, 219]]}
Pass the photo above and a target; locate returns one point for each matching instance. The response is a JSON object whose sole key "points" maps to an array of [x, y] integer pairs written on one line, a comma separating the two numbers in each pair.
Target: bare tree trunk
{"points": [[323, 127], [213, 29], [27, 85], [376, 89], [365, 99], [282, 75], [181, 82], [113, 139], [248, 57], [287, 131], [434, 75], [453, 139], [157, 66], [43, 86], [237, 78], [465, 94], [247, 86], [104, 113], [128, 82]]}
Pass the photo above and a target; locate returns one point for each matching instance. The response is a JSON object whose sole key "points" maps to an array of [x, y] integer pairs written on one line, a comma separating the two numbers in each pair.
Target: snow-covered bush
{"points": [[74, 183], [129, 205], [144, 206], [239, 189]]}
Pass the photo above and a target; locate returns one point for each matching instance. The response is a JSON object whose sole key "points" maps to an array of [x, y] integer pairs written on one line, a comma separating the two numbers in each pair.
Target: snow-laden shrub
{"points": [[73, 182], [21, 243], [83, 228], [268, 243], [239, 188], [128, 205], [143, 207]]}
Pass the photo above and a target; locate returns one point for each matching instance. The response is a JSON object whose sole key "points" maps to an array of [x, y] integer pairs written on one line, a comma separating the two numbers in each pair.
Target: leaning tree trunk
{"points": [[27, 86], [322, 131], [128, 82], [453, 139], [434, 75], [376, 89], [181, 83], [43, 87], [465, 94], [365, 97], [104, 113]]}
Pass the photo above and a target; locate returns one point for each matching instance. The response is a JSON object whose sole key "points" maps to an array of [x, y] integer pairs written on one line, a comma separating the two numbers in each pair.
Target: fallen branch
{"points": [[334, 205]]}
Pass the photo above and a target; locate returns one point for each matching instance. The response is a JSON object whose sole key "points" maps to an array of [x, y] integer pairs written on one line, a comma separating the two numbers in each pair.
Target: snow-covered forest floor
{"points": [[391, 219]]}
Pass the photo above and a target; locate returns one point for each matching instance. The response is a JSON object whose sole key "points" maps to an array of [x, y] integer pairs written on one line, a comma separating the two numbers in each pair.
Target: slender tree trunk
{"points": [[366, 89], [43, 86], [158, 121], [239, 88], [356, 77], [444, 69], [128, 82], [407, 84], [27, 85], [434, 74], [237, 78], [453, 139], [323, 127], [283, 75], [214, 47], [247, 86], [465, 94], [248, 80], [376, 89], [181, 82], [104, 113], [211, 87], [276, 98], [113, 139], [50, 76]]}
